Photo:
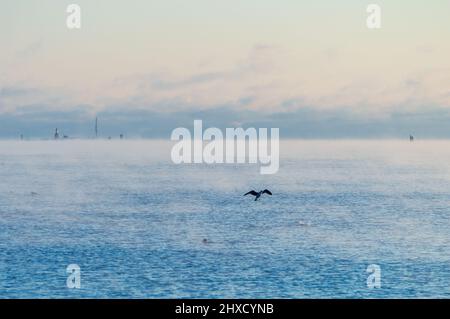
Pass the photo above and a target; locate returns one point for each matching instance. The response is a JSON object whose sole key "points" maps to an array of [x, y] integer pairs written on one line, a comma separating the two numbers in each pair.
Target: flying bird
{"points": [[258, 194]]}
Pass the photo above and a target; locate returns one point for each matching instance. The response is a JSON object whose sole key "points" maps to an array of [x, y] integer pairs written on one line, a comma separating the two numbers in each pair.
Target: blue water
{"points": [[134, 222]]}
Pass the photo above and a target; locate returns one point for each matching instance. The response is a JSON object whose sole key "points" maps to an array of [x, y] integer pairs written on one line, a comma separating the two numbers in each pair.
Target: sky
{"points": [[145, 67]]}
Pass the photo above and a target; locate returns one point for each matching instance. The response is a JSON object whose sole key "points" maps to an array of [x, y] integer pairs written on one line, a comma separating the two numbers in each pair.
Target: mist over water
{"points": [[135, 222]]}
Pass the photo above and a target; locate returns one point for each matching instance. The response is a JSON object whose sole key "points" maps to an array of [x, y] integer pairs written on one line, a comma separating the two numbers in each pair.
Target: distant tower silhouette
{"points": [[56, 134], [96, 127]]}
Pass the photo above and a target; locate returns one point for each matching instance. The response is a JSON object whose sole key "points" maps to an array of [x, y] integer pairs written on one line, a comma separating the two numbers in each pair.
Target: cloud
{"points": [[196, 79], [16, 98], [7, 92], [264, 87], [30, 50], [306, 122], [269, 79], [249, 82]]}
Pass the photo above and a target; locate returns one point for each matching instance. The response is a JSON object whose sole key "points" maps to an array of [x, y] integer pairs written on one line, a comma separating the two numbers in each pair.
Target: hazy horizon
{"points": [[312, 69]]}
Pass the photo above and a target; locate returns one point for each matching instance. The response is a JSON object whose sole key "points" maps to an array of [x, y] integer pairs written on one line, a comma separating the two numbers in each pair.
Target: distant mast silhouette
{"points": [[56, 134]]}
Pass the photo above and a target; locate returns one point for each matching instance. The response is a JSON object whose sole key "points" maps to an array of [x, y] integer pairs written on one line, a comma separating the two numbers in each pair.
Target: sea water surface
{"points": [[135, 222]]}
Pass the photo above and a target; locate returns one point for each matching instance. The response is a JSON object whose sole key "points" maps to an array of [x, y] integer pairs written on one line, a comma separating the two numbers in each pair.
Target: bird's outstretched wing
{"points": [[266, 191], [251, 193]]}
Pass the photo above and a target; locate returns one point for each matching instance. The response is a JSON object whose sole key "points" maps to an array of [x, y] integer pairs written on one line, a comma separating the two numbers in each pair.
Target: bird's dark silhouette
{"points": [[258, 194]]}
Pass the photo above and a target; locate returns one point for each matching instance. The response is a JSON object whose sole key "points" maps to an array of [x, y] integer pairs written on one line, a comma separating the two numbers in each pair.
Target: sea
{"points": [[139, 226]]}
